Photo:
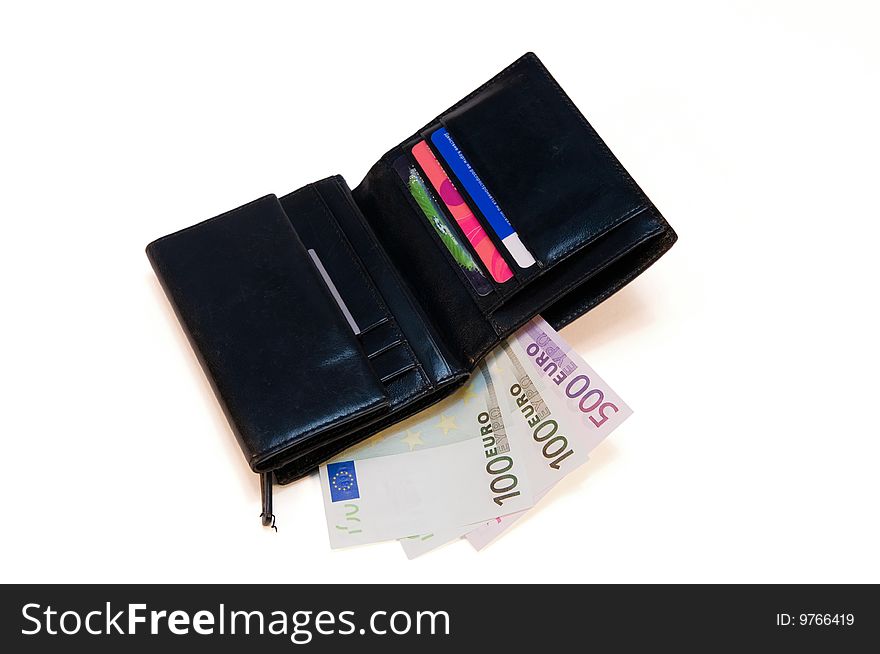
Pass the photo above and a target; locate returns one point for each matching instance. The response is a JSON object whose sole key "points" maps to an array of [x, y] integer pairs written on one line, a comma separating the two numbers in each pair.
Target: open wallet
{"points": [[327, 315]]}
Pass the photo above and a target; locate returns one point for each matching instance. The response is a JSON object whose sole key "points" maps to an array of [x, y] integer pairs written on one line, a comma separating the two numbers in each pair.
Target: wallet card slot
{"points": [[315, 219], [380, 339], [390, 362], [436, 362], [393, 375], [444, 305], [384, 349], [558, 184], [520, 273], [375, 325], [404, 322], [487, 301], [468, 221]]}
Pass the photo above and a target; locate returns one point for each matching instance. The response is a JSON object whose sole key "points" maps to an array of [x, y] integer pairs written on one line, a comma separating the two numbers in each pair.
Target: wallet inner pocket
{"points": [[582, 272], [436, 363], [426, 270], [482, 204], [349, 282], [427, 210], [555, 180], [476, 235]]}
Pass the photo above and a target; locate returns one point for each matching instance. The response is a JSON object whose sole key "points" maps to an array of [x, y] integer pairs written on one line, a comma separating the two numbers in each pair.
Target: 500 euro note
{"points": [[553, 401]]}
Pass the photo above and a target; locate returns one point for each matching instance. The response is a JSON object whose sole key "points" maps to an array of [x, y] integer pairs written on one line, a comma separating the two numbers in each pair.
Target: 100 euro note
{"points": [[554, 401], [452, 464]]}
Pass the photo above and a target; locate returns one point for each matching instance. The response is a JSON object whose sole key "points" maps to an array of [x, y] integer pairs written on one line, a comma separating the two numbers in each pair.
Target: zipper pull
{"points": [[266, 491]]}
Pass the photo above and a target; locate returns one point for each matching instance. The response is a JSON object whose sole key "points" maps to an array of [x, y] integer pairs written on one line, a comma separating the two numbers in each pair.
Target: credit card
{"points": [[460, 254], [472, 183], [464, 216]]}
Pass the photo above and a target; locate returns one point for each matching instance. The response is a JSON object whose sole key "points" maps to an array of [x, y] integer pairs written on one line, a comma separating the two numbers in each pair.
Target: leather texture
{"points": [[263, 324], [298, 384]]}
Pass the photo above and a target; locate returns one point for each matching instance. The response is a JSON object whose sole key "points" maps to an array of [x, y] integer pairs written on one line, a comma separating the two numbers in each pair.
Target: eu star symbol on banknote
{"points": [[413, 439], [447, 424], [343, 481]]}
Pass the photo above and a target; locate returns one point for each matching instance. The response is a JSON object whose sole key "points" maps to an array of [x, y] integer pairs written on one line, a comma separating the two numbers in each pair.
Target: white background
{"points": [[749, 352]]}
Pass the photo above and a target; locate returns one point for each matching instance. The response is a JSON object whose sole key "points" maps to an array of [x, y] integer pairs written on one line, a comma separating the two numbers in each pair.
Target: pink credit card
{"points": [[462, 213]]}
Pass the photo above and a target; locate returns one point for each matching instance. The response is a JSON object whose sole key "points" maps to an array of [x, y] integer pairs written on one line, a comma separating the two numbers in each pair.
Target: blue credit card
{"points": [[472, 183]]}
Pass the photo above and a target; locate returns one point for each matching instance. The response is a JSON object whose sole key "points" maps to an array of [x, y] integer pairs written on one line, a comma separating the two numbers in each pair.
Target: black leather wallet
{"points": [[328, 314]]}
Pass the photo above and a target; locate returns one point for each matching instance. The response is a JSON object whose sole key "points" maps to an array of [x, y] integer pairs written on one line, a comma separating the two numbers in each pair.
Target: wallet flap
{"points": [[267, 330], [537, 184], [549, 171]]}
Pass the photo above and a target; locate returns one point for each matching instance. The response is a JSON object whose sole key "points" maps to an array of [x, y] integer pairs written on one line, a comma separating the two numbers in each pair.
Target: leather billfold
{"points": [[326, 315]]}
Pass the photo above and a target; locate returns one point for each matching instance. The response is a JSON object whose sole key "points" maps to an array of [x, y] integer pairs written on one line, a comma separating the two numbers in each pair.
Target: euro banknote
{"points": [[452, 464], [557, 404]]}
